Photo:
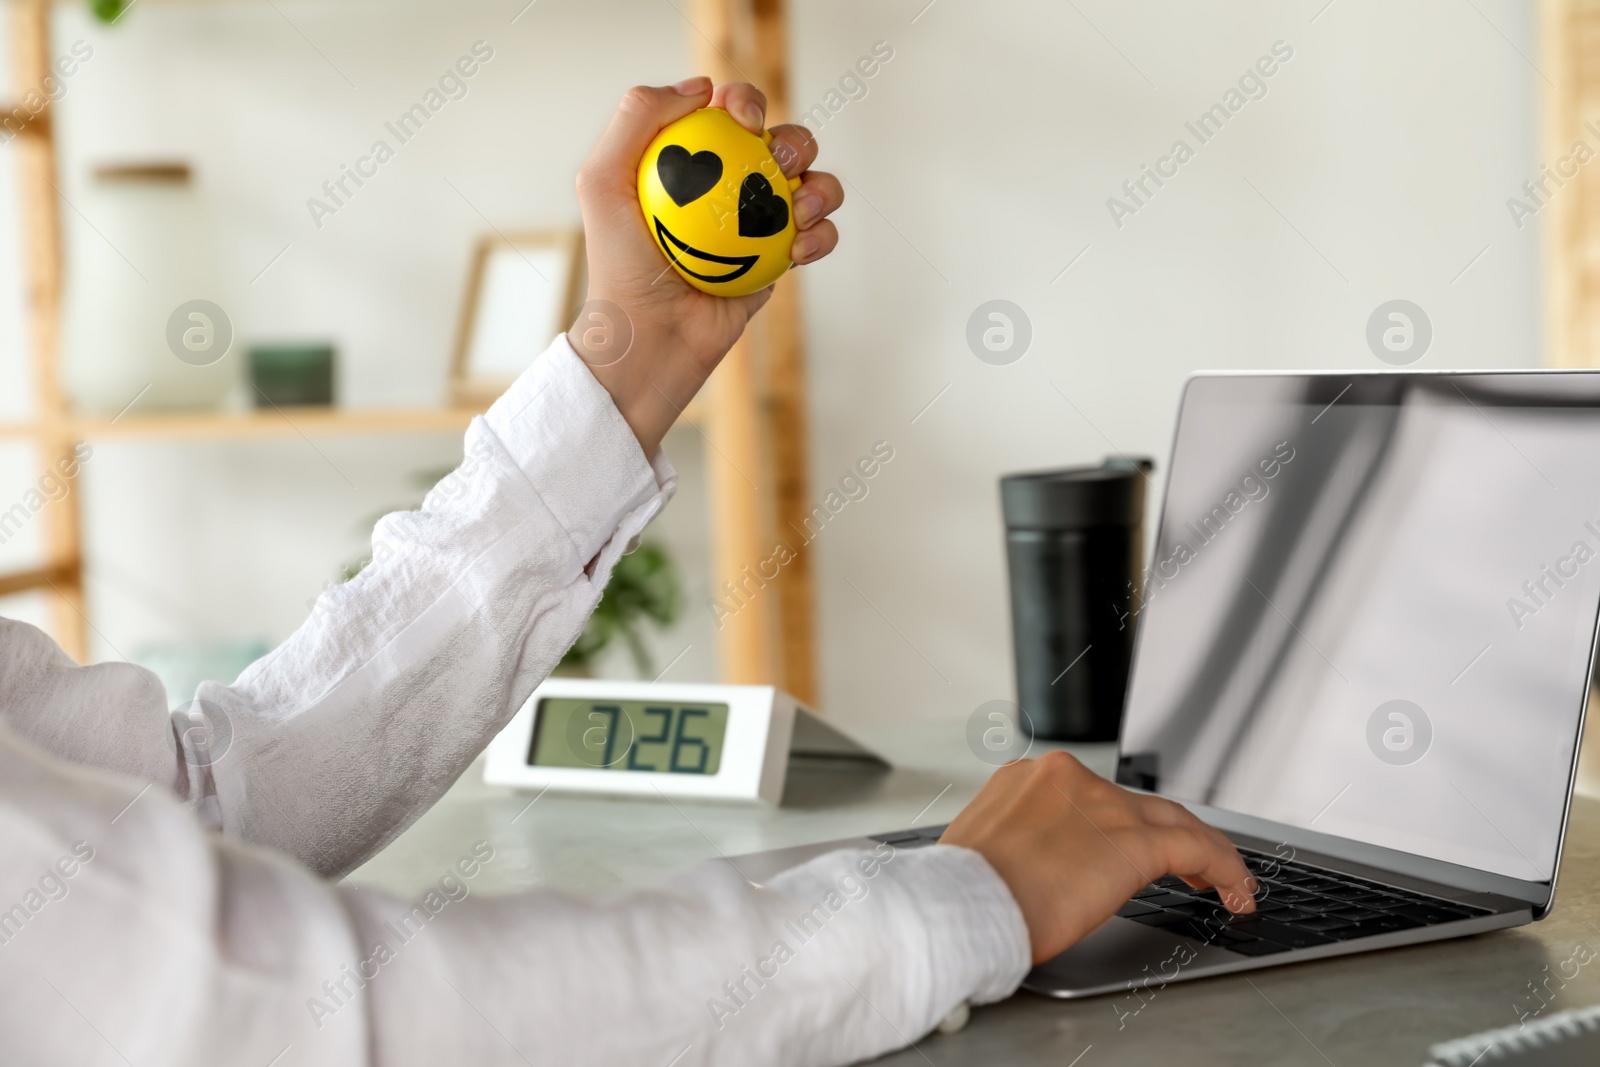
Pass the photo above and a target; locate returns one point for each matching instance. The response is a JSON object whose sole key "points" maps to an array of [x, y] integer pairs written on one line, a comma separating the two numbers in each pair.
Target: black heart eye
{"points": [[687, 178], [762, 212]]}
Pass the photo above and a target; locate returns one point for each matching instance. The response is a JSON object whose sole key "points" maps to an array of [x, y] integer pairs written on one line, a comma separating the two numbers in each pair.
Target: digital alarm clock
{"points": [[714, 742]]}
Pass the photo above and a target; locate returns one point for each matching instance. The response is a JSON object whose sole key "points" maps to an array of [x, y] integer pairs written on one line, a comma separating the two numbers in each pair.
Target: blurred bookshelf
{"points": [[754, 407]]}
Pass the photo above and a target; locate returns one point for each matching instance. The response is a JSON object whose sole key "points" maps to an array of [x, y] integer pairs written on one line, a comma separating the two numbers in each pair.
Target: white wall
{"points": [[987, 149], [979, 162]]}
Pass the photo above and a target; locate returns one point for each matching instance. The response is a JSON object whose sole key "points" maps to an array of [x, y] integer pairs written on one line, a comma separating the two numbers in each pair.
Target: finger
{"points": [[794, 148], [818, 197], [1194, 855], [1245, 890], [1240, 898], [746, 103], [643, 112], [1158, 811], [815, 243]]}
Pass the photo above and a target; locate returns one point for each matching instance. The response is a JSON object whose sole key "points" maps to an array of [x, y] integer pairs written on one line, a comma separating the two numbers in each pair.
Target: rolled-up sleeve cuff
{"points": [[562, 430], [953, 930], [978, 938]]}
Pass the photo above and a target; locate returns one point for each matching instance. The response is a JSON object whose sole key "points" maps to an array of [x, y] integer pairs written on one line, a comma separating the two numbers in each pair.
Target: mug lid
{"points": [[1076, 498]]}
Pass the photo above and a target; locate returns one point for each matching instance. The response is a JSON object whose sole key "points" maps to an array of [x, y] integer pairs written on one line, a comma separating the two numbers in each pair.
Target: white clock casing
{"points": [[766, 726]]}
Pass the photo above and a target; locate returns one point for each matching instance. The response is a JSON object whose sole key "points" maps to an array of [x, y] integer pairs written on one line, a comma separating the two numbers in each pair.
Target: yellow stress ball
{"points": [[717, 203]]}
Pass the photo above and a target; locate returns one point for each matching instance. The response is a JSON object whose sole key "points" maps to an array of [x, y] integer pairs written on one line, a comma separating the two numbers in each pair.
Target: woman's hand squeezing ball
{"points": [[650, 338]]}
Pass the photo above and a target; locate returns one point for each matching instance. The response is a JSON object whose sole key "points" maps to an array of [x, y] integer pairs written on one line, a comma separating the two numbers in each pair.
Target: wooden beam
{"points": [[1570, 218], [41, 229], [735, 476], [734, 467], [784, 343], [1569, 58], [757, 408]]}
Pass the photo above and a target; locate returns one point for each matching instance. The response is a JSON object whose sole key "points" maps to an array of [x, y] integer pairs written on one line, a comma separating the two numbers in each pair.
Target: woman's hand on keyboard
{"points": [[1074, 847]]}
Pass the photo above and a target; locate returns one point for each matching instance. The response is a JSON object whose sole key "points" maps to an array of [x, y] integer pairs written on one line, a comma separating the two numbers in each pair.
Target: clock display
{"points": [[629, 735]]}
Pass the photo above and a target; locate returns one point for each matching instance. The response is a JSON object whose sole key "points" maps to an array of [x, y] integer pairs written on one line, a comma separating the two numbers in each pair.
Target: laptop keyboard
{"points": [[1297, 905]]}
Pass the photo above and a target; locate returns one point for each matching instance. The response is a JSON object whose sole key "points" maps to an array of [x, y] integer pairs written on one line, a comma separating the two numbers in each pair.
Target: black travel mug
{"points": [[1074, 541]]}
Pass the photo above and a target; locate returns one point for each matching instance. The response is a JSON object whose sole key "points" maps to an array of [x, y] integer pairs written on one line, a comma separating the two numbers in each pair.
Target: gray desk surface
{"points": [[1379, 1008]]}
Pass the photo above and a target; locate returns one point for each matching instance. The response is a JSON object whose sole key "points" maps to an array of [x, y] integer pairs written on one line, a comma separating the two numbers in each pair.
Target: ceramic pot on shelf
{"points": [[138, 251]]}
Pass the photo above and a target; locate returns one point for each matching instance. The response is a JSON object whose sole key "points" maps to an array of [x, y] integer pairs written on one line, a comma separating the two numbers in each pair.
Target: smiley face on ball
{"points": [[717, 204]]}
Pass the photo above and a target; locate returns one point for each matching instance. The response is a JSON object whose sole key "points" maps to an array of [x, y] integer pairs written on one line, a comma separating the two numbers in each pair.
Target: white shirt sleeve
{"points": [[175, 946]]}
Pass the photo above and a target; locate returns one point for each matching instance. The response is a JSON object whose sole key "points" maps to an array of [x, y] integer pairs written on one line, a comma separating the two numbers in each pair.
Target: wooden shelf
{"points": [[26, 581], [285, 422]]}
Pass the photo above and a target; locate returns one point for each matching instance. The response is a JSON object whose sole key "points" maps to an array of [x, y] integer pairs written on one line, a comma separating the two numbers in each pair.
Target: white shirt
{"points": [[166, 891]]}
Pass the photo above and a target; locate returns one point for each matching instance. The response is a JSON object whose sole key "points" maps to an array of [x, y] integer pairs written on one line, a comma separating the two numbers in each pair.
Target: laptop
{"points": [[1364, 650]]}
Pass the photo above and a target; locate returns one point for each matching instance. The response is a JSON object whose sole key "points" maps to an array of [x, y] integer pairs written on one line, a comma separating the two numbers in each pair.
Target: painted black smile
{"points": [[672, 246]]}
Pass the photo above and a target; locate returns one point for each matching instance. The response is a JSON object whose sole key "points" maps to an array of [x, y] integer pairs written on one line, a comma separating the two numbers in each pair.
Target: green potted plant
{"points": [[109, 10], [644, 588]]}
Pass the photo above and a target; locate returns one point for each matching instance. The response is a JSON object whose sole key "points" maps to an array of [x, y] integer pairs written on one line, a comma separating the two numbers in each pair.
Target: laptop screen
{"points": [[1370, 609]]}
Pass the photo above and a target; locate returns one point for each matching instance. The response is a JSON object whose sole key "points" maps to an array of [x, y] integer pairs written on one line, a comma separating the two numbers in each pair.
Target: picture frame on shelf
{"points": [[523, 289]]}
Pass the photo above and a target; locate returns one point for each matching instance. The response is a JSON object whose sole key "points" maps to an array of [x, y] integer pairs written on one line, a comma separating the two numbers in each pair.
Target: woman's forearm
{"points": [[851, 955]]}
